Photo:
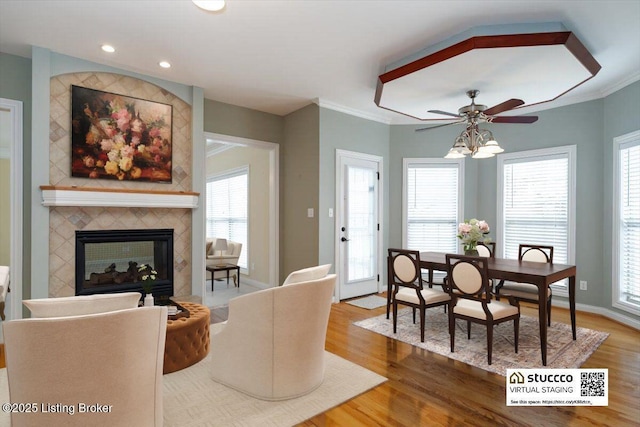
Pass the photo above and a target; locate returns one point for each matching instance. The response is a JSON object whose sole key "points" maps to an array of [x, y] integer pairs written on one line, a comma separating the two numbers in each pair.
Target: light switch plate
{"points": [[310, 213]]}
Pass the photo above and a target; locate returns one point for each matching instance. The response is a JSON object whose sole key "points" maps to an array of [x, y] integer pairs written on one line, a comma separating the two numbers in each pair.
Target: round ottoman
{"points": [[187, 338]]}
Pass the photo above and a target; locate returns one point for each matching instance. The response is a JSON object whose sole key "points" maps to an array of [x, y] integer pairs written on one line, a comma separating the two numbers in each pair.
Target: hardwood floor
{"points": [[427, 389]]}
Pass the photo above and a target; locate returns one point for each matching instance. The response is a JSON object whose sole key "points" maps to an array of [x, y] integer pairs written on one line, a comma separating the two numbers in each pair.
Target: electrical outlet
{"points": [[583, 285]]}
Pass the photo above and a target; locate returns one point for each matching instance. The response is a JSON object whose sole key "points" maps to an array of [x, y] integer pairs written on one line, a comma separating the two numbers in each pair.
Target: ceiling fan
{"points": [[473, 113]]}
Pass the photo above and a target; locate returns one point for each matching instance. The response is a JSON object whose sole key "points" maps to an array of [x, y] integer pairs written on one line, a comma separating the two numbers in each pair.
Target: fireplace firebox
{"points": [[109, 261]]}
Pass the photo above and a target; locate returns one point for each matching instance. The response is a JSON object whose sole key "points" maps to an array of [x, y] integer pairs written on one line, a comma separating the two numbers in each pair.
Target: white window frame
{"points": [[533, 155], [436, 162], [230, 173], [620, 142]]}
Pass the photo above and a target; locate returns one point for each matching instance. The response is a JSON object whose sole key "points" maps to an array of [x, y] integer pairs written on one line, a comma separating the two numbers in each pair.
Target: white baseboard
{"points": [[254, 283], [613, 315]]}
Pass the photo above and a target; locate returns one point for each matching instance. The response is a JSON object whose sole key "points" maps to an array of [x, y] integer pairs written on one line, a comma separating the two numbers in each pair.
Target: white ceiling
{"points": [[278, 56]]}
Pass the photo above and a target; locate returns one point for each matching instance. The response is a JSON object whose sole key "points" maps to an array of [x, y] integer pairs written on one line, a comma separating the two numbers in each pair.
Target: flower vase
{"points": [[148, 300], [471, 250]]}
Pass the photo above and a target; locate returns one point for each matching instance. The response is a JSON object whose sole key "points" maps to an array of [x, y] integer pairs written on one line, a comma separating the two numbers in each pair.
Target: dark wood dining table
{"points": [[540, 274]]}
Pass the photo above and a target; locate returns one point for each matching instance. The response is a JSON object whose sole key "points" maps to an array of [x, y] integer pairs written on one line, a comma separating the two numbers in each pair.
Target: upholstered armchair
{"points": [[272, 345], [229, 256], [112, 359]]}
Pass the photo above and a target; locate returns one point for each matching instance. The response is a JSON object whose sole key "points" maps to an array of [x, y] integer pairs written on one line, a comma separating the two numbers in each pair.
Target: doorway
{"points": [[262, 249], [11, 165], [358, 235]]}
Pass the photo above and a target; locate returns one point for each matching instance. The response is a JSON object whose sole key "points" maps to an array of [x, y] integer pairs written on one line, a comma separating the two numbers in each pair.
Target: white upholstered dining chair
{"points": [[526, 291], [405, 279], [471, 299]]}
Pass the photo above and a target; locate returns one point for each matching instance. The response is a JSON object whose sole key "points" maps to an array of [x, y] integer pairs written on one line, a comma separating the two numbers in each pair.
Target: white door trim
{"points": [[274, 197], [340, 155], [15, 111]]}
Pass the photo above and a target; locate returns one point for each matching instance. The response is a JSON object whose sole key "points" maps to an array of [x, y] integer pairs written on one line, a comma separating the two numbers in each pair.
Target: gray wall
{"points": [[299, 187], [227, 119], [15, 83]]}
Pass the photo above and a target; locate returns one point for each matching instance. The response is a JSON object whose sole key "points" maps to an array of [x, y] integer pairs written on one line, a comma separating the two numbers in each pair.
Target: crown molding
{"points": [[621, 84], [351, 111]]}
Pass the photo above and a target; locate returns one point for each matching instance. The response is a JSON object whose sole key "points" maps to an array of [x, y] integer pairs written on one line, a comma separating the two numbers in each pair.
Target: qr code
{"points": [[592, 384]]}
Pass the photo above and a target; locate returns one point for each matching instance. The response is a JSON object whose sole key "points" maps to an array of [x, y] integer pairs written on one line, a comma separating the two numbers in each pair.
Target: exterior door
{"points": [[358, 225]]}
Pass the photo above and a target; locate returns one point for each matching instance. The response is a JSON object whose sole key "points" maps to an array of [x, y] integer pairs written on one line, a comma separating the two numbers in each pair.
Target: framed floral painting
{"points": [[119, 137]]}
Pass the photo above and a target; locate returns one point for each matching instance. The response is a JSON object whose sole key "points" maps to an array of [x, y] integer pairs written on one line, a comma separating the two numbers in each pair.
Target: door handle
{"points": [[344, 239]]}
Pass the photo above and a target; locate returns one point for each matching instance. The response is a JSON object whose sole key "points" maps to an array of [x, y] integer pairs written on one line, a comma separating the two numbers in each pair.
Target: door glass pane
{"points": [[362, 224]]}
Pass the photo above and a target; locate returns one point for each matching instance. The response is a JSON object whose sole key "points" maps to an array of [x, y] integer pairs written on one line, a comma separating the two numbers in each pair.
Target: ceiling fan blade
{"points": [[514, 119], [505, 106], [444, 112], [439, 126]]}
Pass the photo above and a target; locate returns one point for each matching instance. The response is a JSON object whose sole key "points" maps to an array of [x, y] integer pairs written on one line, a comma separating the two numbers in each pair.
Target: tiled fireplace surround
{"points": [[65, 220]]}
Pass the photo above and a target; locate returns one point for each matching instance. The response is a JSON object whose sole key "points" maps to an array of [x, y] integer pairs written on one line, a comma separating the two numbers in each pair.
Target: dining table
{"points": [[536, 273]]}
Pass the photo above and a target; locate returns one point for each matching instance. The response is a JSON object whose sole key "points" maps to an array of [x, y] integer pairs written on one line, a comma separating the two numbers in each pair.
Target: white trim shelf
{"points": [[114, 197]]}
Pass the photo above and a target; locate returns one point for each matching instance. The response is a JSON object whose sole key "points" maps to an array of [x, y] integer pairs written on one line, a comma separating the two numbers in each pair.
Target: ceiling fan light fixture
{"points": [[482, 153], [493, 147], [454, 154]]}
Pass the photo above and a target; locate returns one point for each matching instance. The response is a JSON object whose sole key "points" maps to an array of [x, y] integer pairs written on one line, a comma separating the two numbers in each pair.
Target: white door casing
{"points": [[358, 218]]}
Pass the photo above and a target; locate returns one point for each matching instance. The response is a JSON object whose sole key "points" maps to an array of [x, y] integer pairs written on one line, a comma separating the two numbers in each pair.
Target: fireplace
{"points": [[108, 261]]}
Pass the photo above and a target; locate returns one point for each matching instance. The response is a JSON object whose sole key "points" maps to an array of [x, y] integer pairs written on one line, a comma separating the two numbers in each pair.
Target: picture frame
{"points": [[119, 137]]}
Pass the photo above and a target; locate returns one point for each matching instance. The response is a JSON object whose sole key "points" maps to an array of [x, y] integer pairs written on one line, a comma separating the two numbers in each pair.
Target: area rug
{"points": [[191, 398], [370, 302], [562, 351]]}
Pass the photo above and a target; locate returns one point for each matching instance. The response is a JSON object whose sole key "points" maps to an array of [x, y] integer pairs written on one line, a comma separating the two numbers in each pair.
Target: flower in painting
{"points": [[111, 168], [136, 172], [125, 163], [106, 144], [89, 161]]}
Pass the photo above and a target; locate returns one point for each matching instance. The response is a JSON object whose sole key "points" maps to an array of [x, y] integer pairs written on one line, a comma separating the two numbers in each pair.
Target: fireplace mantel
{"points": [[53, 195]]}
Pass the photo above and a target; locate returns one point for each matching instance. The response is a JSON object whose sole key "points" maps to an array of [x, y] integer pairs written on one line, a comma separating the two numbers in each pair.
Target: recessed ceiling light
{"points": [[164, 64], [210, 5], [108, 48]]}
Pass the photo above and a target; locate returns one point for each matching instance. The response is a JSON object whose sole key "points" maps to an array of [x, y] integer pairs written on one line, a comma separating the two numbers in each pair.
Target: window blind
{"points": [[432, 206], [227, 208], [536, 205], [629, 224]]}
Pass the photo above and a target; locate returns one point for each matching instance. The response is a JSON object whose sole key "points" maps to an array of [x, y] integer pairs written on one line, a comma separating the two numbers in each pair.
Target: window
{"points": [[432, 204], [227, 208], [536, 203], [626, 223]]}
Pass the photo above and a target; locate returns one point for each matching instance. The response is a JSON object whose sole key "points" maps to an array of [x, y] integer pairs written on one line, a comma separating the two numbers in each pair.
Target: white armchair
{"points": [[229, 256], [272, 345], [113, 359]]}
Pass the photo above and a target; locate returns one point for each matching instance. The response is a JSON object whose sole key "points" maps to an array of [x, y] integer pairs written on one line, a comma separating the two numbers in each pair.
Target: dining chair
{"points": [[525, 291], [406, 280], [471, 299], [486, 249]]}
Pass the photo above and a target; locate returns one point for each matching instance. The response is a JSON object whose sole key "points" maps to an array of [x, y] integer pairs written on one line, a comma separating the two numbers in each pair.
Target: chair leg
{"points": [[468, 329], [422, 321], [549, 311], [516, 330], [395, 316], [489, 341], [452, 328], [414, 315]]}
